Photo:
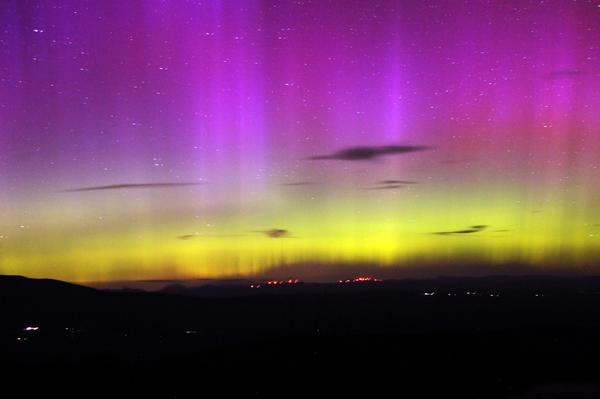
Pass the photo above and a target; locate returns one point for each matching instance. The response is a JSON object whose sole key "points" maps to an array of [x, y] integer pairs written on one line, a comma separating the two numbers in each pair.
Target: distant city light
{"points": [[361, 279], [31, 328], [280, 282], [277, 282]]}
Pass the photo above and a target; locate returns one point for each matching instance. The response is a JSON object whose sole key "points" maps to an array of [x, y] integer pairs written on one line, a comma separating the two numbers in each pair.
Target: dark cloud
{"points": [[128, 186], [275, 233], [187, 236], [387, 182], [299, 183], [386, 187], [367, 153], [390, 184], [564, 74], [470, 230]]}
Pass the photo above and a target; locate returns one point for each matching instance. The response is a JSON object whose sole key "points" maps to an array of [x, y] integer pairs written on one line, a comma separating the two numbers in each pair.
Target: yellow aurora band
{"points": [[391, 229]]}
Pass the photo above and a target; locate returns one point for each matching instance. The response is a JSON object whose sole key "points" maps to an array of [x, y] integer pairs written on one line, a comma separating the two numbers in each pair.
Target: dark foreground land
{"points": [[496, 337]]}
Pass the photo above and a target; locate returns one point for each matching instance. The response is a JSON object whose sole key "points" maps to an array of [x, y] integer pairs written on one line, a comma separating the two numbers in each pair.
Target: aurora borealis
{"points": [[198, 139]]}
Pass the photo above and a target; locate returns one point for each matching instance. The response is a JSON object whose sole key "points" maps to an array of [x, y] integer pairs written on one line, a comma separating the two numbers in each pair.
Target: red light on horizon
{"points": [[361, 279], [277, 282]]}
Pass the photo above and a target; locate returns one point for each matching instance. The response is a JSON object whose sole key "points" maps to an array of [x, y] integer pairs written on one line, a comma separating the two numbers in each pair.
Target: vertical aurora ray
{"points": [[235, 95]]}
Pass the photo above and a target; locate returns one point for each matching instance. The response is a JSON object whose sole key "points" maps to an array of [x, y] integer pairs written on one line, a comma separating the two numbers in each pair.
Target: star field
{"points": [[127, 125]]}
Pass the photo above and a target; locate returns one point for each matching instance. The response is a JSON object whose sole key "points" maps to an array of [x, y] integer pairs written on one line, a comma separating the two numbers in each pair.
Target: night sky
{"points": [[210, 139]]}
